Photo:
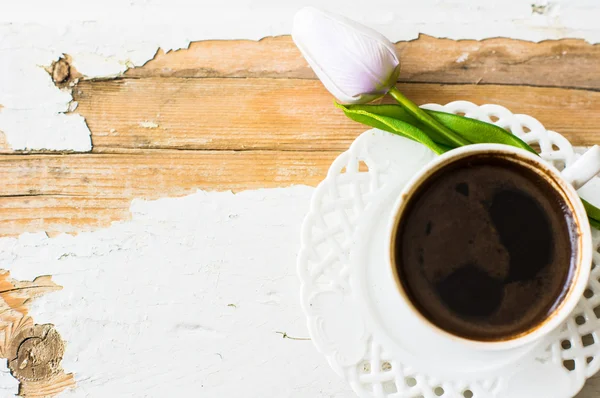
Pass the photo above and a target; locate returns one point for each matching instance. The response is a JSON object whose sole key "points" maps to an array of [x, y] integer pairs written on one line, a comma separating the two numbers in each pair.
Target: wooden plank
{"points": [[555, 63], [287, 114], [275, 57], [152, 174], [59, 214], [71, 193], [238, 114]]}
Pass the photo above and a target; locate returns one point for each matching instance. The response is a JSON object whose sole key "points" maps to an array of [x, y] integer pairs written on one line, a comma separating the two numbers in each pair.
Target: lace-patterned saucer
{"points": [[347, 288]]}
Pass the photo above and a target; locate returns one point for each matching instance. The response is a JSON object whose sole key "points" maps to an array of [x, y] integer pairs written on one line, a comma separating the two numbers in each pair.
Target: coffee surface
{"points": [[485, 249]]}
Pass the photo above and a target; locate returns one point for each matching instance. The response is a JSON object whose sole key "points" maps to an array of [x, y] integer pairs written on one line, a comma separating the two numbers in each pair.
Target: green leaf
{"points": [[472, 130], [393, 111], [594, 223], [479, 132], [427, 120], [593, 213], [392, 125]]}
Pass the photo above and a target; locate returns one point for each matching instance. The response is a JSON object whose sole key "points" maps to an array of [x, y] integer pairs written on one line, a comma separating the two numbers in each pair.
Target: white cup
{"points": [[565, 182]]}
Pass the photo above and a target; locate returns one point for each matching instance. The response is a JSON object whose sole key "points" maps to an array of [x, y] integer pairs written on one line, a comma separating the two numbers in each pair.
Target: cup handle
{"points": [[584, 168]]}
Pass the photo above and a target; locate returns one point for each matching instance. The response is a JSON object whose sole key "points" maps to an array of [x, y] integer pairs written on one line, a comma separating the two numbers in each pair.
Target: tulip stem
{"points": [[427, 119]]}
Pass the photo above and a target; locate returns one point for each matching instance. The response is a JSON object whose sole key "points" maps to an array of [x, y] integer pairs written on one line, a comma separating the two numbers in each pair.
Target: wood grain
{"points": [[245, 114], [553, 63], [287, 114], [71, 193], [56, 214], [50, 387], [34, 352]]}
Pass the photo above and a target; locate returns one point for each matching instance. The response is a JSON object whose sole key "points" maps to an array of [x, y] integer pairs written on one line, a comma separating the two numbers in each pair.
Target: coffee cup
{"points": [[491, 246]]}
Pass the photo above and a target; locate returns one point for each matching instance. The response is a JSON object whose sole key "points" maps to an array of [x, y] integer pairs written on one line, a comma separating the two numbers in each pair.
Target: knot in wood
{"points": [[36, 353], [61, 71]]}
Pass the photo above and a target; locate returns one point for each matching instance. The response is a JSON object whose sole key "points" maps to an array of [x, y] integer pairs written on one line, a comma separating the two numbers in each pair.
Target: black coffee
{"points": [[485, 249]]}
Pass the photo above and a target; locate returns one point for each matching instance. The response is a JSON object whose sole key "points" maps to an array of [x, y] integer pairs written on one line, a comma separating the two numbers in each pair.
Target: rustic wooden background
{"points": [[235, 115]]}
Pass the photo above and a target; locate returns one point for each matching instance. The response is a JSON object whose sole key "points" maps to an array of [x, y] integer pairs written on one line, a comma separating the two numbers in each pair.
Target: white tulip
{"points": [[355, 63]]}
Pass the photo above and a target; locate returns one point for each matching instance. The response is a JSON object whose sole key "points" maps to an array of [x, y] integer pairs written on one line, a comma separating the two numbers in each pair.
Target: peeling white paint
{"points": [[186, 299], [189, 298], [105, 41], [148, 125], [33, 113], [9, 386], [462, 58]]}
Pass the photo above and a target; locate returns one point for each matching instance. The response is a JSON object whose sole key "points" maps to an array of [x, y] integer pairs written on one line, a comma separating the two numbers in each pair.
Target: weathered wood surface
{"points": [[186, 114], [34, 352], [242, 114], [286, 114], [71, 193], [552, 63]]}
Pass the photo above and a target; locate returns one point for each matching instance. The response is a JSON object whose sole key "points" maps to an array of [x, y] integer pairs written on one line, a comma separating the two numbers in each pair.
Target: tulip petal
{"points": [[355, 63]]}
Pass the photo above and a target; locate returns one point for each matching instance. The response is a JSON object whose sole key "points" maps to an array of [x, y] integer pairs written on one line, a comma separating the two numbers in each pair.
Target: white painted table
{"points": [[197, 295]]}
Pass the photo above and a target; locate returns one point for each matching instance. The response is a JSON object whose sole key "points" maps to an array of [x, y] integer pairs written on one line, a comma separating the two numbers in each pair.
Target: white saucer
{"points": [[356, 317]]}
